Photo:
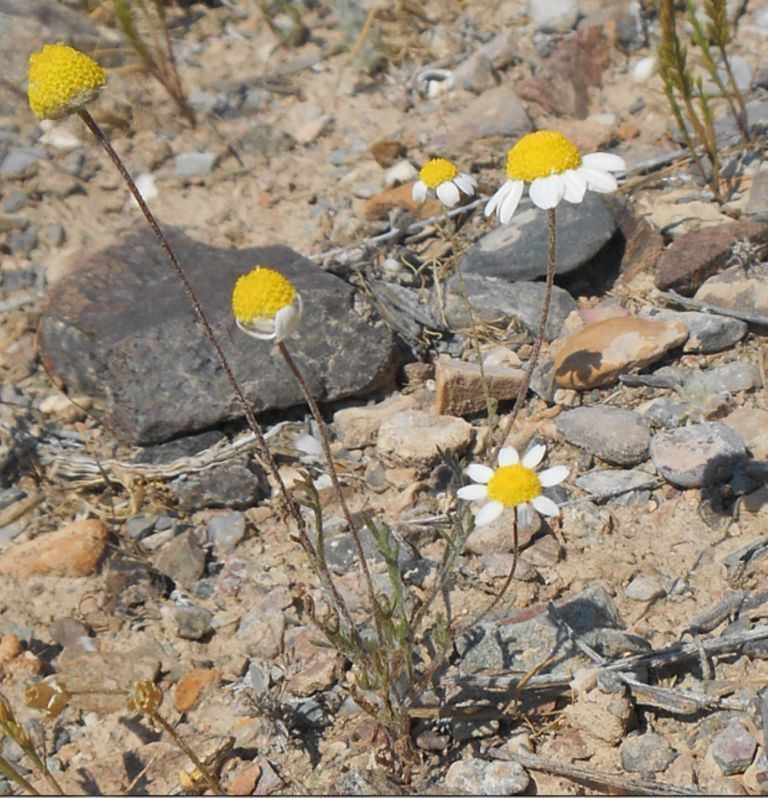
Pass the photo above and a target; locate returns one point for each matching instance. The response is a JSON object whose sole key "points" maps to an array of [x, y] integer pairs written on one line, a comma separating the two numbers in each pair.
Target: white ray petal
{"points": [[605, 162], [553, 476], [534, 456], [497, 197], [602, 182], [546, 192], [478, 473], [575, 186], [488, 513], [508, 456], [472, 493], [466, 183], [546, 506], [511, 201], [419, 191], [447, 193]]}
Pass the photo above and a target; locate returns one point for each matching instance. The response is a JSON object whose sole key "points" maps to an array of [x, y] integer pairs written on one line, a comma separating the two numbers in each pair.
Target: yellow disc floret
{"points": [[62, 80], [514, 484], [260, 294], [437, 171], [541, 154]]}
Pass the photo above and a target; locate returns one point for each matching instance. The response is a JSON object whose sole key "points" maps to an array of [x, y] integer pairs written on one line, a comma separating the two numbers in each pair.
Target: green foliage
{"points": [[688, 100], [156, 57]]}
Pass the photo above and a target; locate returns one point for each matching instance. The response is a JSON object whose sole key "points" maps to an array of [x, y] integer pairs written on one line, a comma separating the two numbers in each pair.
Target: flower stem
{"points": [[497, 598], [306, 543], [550, 281], [323, 429]]}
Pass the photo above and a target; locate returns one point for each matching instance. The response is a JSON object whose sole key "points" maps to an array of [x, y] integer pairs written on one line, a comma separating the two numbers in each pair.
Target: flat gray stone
{"points": [[20, 160], [505, 645], [194, 164], [611, 433], [612, 482], [518, 250], [646, 753], [228, 484], [733, 749], [121, 330], [498, 301], [478, 777], [706, 332], [701, 454]]}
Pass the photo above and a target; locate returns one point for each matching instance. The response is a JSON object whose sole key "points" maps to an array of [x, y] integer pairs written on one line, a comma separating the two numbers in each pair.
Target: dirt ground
{"points": [[337, 94]]}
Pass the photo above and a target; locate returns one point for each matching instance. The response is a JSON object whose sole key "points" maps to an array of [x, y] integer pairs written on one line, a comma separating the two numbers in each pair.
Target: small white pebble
{"points": [[644, 68], [399, 173]]}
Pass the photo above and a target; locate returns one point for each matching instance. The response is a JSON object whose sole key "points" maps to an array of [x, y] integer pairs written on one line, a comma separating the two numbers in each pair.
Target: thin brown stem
{"points": [[498, 597], [550, 281], [210, 780], [250, 418], [325, 442]]}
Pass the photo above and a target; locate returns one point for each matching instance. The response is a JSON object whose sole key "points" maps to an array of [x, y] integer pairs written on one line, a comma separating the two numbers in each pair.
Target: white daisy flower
{"points": [[514, 483], [445, 180], [556, 170], [266, 305]]}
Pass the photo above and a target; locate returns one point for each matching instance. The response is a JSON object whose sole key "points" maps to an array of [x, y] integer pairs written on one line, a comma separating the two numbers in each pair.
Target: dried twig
{"points": [[694, 304]]}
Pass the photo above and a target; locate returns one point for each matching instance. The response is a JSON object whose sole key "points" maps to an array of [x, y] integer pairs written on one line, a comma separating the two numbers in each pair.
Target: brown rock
{"points": [[601, 715], [597, 354], [562, 85], [738, 289], [190, 686], [643, 242], [415, 437], [245, 780], [73, 550], [182, 559], [460, 386], [317, 666], [378, 207], [700, 254], [358, 426], [386, 152], [752, 425]]}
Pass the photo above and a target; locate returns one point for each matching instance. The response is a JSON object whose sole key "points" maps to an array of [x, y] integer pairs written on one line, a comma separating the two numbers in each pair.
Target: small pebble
{"points": [[610, 433], [225, 531], [733, 749], [645, 588], [194, 164], [192, 623], [477, 777], [646, 753]]}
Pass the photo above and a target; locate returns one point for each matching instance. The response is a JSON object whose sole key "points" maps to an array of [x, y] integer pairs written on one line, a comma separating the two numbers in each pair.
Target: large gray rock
{"points": [[122, 330], [518, 250]]}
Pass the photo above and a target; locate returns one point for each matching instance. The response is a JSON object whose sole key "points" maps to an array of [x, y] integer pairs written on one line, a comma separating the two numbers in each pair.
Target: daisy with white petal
{"points": [[514, 483], [266, 305], [447, 182], [555, 170]]}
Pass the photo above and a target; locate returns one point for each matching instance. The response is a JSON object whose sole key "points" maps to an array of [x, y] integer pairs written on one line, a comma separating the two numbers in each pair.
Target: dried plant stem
{"points": [[490, 402], [325, 442], [550, 281], [323, 572], [210, 780], [10, 773]]}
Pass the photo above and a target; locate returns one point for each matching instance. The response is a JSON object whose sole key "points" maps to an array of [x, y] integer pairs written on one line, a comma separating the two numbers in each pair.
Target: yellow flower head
{"points": [[62, 80], [515, 483], [266, 305], [445, 180], [541, 154], [554, 169], [437, 171]]}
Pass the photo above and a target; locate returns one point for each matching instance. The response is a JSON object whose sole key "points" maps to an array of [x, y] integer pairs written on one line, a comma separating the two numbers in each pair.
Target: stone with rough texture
{"points": [[738, 289], [414, 437], [733, 749], [357, 427], [598, 353], [518, 250], [191, 685], [606, 483], [459, 385], [549, 17], [600, 715], [562, 84], [752, 425], [478, 777], [74, 550], [613, 434], [646, 753], [700, 254], [496, 301], [701, 454], [229, 484], [120, 329], [181, 559], [706, 331], [317, 666]]}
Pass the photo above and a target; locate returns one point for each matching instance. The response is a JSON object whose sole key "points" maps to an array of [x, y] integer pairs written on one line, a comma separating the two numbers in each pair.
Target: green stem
{"points": [[550, 281], [266, 454]]}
